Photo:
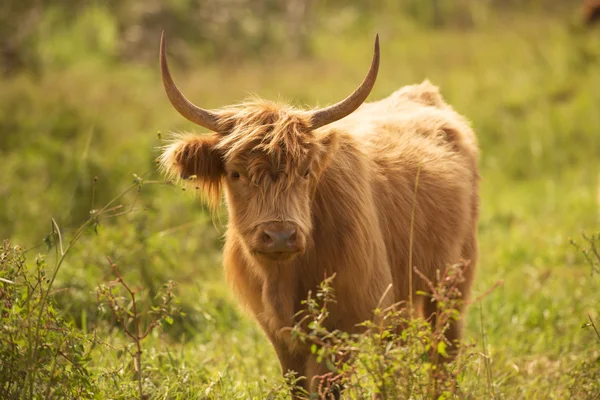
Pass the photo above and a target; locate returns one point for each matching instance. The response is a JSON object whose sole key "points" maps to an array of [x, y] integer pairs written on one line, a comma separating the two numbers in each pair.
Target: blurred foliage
{"points": [[36, 34]]}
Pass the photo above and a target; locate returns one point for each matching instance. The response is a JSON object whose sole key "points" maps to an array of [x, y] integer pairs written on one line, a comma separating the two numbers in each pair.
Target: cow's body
{"points": [[362, 216], [591, 11], [333, 191]]}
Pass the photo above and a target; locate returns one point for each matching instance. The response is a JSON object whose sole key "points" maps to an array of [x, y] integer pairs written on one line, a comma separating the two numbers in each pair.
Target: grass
{"points": [[529, 85]]}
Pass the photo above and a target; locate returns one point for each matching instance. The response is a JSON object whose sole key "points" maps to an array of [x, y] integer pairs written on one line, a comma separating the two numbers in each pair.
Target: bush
{"points": [[397, 356], [42, 355]]}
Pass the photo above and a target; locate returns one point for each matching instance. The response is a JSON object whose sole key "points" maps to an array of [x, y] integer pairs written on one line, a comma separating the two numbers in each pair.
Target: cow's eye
{"points": [[307, 173], [235, 175]]}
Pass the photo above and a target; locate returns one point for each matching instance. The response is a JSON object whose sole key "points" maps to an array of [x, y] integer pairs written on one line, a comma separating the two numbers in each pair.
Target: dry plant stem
{"points": [[499, 282], [135, 335], [592, 255], [383, 296], [592, 243], [594, 326], [410, 243], [488, 366], [29, 335]]}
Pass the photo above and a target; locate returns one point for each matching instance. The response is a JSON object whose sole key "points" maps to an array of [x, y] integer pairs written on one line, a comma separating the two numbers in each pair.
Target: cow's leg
{"points": [[251, 290], [295, 363], [289, 360], [454, 331], [470, 255]]}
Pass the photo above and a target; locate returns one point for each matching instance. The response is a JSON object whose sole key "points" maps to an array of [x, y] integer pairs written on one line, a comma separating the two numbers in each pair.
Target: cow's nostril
{"points": [[292, 237], [278, 240], [266, 238]]}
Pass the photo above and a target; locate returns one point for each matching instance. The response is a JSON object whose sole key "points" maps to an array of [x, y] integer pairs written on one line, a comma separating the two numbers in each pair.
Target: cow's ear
{"points": [[327, 144], [198, 162]]}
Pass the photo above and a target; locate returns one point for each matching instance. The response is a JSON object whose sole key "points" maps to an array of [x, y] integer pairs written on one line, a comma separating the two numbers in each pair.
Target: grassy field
{"points": [[529, 84]]}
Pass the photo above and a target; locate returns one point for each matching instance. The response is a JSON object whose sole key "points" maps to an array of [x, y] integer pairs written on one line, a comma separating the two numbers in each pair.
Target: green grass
{"points": [[532, 90]]}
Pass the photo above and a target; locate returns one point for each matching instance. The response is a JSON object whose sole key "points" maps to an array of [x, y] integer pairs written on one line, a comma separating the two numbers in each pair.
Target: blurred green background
{"points": [[82, 110]]}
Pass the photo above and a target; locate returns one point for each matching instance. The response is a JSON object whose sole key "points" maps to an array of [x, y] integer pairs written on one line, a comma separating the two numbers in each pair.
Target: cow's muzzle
{"points": [[278, 238]]}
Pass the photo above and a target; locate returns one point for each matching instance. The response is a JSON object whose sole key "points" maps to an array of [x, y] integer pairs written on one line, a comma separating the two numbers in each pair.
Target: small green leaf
{"points": [[441, 349]]}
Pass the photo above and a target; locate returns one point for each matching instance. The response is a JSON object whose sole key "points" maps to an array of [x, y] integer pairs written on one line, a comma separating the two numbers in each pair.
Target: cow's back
{"points": [[413, 134]]}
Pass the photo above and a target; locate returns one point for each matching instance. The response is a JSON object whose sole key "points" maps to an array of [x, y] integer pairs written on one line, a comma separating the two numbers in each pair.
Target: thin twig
{"points": [[499, 282], [94, 191], [136, 334], [387, 290], [60, 242], [410, 241], [594, 326], [488, 364]]}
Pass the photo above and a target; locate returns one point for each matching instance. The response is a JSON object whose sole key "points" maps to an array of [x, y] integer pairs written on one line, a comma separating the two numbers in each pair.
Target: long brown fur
{"points": [[590, 10], [353, 209]]}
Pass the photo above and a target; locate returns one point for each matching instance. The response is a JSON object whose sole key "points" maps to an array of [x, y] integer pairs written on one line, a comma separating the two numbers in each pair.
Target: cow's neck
{"points": [[346, 233]]}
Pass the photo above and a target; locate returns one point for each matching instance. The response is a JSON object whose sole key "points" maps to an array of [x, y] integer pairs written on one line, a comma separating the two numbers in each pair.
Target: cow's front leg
{"points": [[278, 319], [291, 360]]}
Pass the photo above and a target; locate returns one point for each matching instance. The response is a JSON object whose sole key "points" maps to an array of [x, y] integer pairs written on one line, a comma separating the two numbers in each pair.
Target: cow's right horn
{"points": [[200, 116], [339, 110]]}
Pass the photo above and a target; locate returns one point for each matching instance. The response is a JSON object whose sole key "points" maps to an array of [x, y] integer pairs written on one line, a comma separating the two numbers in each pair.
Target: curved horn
{"points": [[195, 114], [339, 110]]}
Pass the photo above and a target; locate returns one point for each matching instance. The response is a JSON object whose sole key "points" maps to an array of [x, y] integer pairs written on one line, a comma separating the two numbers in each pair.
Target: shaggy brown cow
{"points": [[313, 193], [590, 10]]}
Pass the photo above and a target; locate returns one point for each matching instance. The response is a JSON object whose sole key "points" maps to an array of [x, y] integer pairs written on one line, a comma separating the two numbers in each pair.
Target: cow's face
{"points": [[268, 157], [269, 204], [268, 162]]}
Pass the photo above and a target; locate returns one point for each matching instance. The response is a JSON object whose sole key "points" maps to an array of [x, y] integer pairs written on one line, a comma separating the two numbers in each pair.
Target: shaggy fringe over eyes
{"points": [[277, 131], [263, 136], [195, 161]]}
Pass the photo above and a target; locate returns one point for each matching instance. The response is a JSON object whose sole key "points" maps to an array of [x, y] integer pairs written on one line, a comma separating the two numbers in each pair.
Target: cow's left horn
{"points": [[198, 115], [339, 110]]}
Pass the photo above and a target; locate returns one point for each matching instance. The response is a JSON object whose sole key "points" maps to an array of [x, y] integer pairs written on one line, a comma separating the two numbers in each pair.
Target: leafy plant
{"points": [[42, 354], [586, 377], [396, 356], [126, 311]]}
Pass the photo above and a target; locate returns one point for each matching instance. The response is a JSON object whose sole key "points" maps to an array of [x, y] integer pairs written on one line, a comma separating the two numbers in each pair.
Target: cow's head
{"points": [[268, 159]]}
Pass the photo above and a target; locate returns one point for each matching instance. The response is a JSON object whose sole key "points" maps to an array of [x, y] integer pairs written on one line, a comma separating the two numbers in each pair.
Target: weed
{"points": [[129, 317], [42, 355], [395, 356]]}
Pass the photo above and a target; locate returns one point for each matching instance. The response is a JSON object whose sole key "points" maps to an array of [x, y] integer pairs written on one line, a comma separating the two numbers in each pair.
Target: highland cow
{"points": [[312, 193], [590, 10]]}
